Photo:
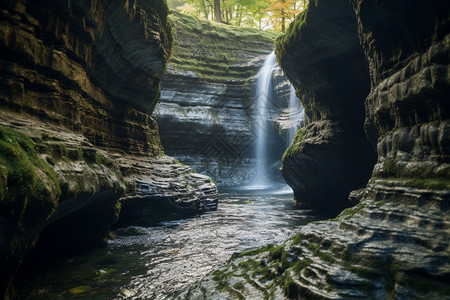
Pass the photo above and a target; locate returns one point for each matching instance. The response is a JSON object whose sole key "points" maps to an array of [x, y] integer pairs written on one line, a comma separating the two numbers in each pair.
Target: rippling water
{"points": [[153, 262]]}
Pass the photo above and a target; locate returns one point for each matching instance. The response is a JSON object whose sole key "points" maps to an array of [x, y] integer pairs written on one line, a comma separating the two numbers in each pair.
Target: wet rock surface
{"points": [[91, 67], [81, 79], [376, 249], [162, 188], [205, 114], [394, 242], [324, 161], [326, 65]]}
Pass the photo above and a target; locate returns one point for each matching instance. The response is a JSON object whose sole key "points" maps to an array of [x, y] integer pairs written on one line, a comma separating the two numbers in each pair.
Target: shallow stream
{"points": [[154, 262]]}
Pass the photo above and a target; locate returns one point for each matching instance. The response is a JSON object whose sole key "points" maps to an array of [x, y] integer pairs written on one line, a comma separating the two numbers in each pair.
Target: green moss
{"points": [[98, 159], [215, 58], [90, 156], [351, 211], [75, 154], [256, 251], [296, 145], [290, 288], [26, 181], [418, 183], [275, 253], [301, 264], [83, 289], [239, 286], [221, 275], [291, 36], [264, 273], [315, 249], [50, 160], [298, 238], [58, 150], [326, 257], [423, 176], [310, 273], [251, 264]]}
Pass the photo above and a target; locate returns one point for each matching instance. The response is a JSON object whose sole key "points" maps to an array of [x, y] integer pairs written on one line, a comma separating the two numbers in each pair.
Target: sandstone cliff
{"points": [[79, 81], [205, 114], [377, 74]]}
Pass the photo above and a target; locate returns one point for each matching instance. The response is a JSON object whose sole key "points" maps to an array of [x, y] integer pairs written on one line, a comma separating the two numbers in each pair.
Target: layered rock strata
{"points": [[79, 81], [379, 249], [205, 114], [326, 64], [162, 188], [395, 242]]}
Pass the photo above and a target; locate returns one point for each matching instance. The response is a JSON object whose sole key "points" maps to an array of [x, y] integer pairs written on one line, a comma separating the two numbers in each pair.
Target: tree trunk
{"points": [[204, 9], [217, 14]]}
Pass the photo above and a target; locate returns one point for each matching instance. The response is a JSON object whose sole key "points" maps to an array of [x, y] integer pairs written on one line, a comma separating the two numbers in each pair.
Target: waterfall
{"points": [[296, 115], [263, 95]]}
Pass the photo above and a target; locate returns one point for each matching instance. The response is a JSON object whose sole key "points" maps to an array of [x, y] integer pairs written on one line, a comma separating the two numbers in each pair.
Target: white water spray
{"points": [[263, 95], [296, 115]]}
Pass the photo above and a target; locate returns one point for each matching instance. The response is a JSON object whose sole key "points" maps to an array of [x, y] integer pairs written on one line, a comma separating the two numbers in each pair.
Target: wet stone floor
{"points": [[154, 262]]}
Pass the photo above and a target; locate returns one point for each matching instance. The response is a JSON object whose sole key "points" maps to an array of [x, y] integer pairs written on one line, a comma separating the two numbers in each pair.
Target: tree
{"points": [[261, 14], [217, 13], [280, 10]]}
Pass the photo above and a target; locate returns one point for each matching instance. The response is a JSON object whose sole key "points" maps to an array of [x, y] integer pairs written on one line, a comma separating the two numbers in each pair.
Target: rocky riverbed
{"points": [[157, 261]]}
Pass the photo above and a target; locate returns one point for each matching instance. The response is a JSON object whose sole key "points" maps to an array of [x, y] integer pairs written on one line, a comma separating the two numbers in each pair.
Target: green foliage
{"points": [[296, 145], [215, 56], [276, 253], [292, 35], [290, 288], [265, 273], [75, 154], [26, 181], [297, 239], [256, 251], [261, 14], [301, 264], [250, 264], [351, 211], [239, 286]]}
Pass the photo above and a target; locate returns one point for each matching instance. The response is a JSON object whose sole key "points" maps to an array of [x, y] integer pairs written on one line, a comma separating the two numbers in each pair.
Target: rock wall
{"points": [[93, 68], [79, 81], [404, 112], [205, 114], [394, 244], [326, 64]]}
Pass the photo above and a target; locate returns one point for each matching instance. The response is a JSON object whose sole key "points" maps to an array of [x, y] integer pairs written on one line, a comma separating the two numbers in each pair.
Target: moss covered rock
{"points": [[325, 62], [207, 102], [29, 192]]}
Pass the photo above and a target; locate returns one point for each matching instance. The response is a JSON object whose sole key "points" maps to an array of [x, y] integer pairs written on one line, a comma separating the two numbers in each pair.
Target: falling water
{"points": [[296, 115], [263, 95]]}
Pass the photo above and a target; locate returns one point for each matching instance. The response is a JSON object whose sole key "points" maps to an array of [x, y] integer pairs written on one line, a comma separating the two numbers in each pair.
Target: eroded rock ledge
{"points": [[395, 242], [378, 249], [78, 83], [206, 110], [326, 64]]}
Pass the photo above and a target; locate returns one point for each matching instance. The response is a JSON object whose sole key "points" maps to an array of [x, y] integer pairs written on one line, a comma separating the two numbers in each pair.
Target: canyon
{"points": [[373, 78], [83, 139], [206, 111], [78, 84]]}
